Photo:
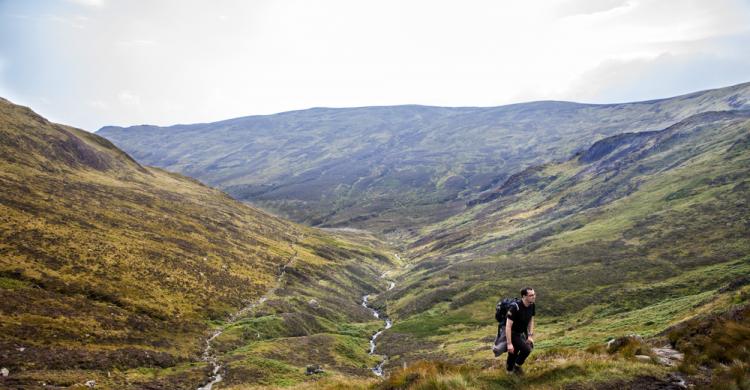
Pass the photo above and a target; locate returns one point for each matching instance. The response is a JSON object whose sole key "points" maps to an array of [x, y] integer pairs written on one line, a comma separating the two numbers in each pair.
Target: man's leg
{"points": [[511, 362], [522, 348]]}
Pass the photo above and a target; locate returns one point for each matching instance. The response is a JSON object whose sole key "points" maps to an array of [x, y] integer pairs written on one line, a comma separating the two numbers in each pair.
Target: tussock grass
{"points": [[719, 342], [547, 370]]}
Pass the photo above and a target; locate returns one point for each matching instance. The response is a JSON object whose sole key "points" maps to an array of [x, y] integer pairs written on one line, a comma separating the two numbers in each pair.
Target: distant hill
{"points": [[116, 272], [387, 168]]}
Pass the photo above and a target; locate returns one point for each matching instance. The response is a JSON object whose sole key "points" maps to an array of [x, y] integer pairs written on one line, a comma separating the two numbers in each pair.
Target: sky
{"points": [[91, 63]]}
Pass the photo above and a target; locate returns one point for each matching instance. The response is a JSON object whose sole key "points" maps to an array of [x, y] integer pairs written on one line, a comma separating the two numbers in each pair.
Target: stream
{"points": [[378, 370], [210, 356]]}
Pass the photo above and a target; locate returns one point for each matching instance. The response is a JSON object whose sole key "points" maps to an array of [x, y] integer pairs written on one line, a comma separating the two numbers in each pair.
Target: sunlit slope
{"points": [[116, 272], [630, 236], [386, 168], [316, 318]]}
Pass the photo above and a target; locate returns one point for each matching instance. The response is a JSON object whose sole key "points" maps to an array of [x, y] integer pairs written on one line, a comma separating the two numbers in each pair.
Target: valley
{"points": [[411, 222]]}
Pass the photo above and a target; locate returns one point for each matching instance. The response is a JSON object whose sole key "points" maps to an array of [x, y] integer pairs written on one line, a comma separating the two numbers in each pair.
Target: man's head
{"points": [[528, 295]]}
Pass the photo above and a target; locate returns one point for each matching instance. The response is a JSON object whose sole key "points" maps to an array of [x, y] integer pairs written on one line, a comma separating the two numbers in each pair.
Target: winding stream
{"points": [[378, 370], [210, 356]]}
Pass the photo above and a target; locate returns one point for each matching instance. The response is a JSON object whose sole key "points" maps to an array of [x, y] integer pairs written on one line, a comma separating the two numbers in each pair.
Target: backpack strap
{"points": [[515, 303]]}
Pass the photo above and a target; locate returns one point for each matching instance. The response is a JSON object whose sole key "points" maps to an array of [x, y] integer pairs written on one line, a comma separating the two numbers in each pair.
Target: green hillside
{"points": [[393, 169], [634, 235], [115, 272], [134, 277]]}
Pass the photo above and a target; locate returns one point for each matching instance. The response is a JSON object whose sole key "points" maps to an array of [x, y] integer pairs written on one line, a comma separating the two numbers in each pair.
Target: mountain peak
{"points": [[28, 139]]}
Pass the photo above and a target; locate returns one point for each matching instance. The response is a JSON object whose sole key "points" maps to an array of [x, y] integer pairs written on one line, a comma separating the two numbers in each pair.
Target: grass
{"points": [[264, 371], [718, 340], [391, 164], [125, 269], [655, 254], [552, 369], [435, 322], [119, 267]]}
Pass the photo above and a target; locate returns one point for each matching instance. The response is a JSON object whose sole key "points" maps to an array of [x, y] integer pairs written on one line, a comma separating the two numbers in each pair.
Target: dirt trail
{"points": [[209, 354]]}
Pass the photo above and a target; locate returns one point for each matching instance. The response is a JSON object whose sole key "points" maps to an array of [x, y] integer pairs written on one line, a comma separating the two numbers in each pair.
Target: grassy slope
{"points": [[315, 318], [389, 168], [636, 240], [636, 234], [115, 272]]}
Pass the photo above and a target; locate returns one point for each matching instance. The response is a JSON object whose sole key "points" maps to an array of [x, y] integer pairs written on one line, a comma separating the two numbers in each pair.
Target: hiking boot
{"points": [[518, 370]]}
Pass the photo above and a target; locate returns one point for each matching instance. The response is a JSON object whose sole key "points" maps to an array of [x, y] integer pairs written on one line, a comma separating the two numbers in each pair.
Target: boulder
{"points": [[615, 344], [677, 380], [313, 369], [668, 356]]}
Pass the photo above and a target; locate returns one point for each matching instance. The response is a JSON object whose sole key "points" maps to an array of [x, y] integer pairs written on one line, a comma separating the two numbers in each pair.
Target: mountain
{"points": [[393, 168], [135, 277], [634, 234], [118, 273]]}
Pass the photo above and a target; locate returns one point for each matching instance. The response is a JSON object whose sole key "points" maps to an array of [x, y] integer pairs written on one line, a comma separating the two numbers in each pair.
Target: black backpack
{"points": [[502, 307]]}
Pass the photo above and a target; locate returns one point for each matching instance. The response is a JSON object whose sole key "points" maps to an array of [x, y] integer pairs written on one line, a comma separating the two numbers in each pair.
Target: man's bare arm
{"points": [[508, 325], [531, 329], [531, 326]]}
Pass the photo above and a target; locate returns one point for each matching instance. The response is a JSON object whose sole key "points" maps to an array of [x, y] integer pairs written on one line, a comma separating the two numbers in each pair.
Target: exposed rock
{"points": [[668, 356], [677, 380], [313, 369], [90, 383], [643, 358], [4, 372]]}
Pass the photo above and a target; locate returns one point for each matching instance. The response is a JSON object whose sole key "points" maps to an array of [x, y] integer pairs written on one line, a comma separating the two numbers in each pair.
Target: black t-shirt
{"points": [[521, 316]]}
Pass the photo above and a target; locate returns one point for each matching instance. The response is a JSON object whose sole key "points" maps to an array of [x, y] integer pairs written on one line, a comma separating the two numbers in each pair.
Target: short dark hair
{"points": [[525, 291]]}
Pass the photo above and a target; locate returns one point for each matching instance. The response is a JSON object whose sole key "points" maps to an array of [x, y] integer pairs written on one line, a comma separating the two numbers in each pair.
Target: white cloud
{"points": [[588, 7], [2, 77], [191, 61], [98, 104], [665, 75], [134, 43], [78, 22], [128, 98], [88, 3]]}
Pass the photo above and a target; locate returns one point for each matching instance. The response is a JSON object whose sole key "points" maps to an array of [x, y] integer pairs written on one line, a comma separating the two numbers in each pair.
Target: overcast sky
{"points": [[91, 63]]}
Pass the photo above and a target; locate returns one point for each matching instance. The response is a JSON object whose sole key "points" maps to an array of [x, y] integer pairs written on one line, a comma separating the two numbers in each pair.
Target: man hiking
{"points": [[519, 330]]}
